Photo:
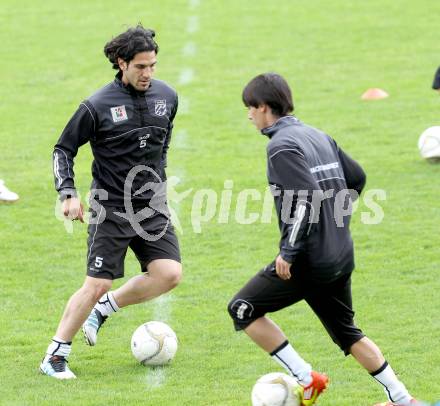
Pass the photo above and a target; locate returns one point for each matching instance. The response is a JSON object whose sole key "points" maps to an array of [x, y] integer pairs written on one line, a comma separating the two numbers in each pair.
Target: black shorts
{"points": [[108, 242], [331, 302]]}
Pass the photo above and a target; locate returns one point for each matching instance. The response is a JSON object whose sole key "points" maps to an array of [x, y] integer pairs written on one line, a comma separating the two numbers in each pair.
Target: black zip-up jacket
{"points": [[128, 131], [310, 177]]}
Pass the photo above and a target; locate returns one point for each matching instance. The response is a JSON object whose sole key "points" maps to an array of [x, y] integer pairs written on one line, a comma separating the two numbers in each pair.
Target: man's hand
{"points": [[283, 268], [73, 209]]}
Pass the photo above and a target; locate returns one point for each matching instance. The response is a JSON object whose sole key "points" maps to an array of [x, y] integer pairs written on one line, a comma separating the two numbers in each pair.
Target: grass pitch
{"points": [[330, 52]]}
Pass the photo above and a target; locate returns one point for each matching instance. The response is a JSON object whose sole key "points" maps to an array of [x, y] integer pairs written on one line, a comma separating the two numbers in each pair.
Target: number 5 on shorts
{"points": [[98, 262]]}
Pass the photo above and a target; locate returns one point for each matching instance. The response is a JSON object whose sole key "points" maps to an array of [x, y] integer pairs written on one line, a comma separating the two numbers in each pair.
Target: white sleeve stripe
{"points": [[93, 118], [286, 149], [56, 169], [312, 216], [299, 217], [67, 161], [334, 177]]}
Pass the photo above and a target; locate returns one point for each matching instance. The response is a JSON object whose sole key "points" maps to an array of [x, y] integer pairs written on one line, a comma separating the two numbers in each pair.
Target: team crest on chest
{"points": [[160, 107], [119, 114]]}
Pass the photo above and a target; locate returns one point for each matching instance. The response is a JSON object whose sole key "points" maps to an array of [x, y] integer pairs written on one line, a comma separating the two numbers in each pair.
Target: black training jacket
{"points": [[127, 131], [310, 178]]}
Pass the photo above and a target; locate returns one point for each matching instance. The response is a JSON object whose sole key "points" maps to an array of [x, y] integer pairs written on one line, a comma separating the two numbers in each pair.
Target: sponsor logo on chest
{"points": [[160, 107], [118, 114]]}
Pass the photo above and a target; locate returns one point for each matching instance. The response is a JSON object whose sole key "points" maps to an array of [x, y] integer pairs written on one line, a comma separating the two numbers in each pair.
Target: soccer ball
{"points": [[429, 143], [154, 343], [277, 389]]}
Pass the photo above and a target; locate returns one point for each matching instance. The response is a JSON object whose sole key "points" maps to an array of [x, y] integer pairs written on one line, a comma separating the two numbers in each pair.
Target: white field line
{"points": [[155, 377], [190, 49], [193, 25], [161, 312], [162, 305], [162, 308], [183, 105], [179, 140], [186, 76], [194, 3]]}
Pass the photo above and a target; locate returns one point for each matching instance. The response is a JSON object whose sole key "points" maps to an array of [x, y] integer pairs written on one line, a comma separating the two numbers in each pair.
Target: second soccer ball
{"points": [[429, 144], [277, 389]]}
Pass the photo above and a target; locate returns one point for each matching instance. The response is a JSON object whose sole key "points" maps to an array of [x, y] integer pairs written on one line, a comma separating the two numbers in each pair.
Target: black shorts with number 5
{"points": [[108, 240]]}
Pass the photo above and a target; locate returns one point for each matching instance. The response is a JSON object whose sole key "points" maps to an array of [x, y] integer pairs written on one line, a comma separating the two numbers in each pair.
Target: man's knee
{"points": [[96, 287], [345, 337], [173, 277], [168, 271]]}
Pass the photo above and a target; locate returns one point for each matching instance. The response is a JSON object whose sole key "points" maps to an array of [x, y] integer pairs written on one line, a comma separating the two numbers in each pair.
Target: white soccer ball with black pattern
{"points": [[277, 389], [429, 144], [154, 343]]}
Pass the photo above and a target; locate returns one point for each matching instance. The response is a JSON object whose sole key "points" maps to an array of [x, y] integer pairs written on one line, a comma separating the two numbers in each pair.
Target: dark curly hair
{"points": [[129, 43]]}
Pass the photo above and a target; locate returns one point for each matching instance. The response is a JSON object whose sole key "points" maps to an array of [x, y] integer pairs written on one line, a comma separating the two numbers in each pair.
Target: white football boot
{"points": [[92, 325], [6, 196], [56, 367]]}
